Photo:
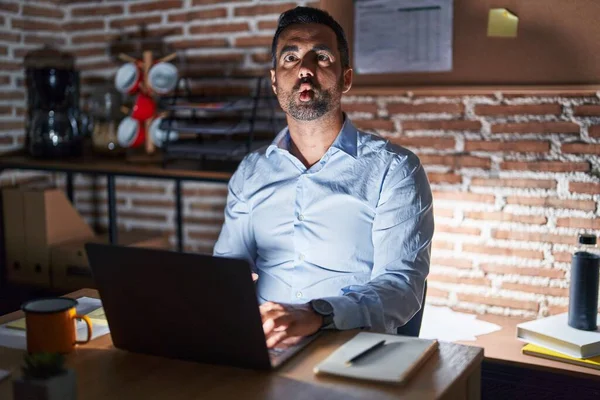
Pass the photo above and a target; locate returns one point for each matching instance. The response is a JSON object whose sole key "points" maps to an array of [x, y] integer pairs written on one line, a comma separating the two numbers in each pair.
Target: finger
{"points": [[295, 328], [283, 319], [266, 314], [290, 341], [270, 314], [277, 322], [293, 340], [275, 338], [268, 326], [270, 306]]}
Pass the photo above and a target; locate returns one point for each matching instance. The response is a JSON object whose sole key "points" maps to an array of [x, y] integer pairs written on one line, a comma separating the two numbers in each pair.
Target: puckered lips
{"points": [[306, 91]]}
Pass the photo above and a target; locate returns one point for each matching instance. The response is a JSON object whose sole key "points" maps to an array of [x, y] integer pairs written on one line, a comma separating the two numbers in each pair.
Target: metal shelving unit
{"points": [[209, 127], [213, 122]]}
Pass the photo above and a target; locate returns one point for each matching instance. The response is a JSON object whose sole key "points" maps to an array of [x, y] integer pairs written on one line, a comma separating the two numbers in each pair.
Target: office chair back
{"points": [[413, 326]]}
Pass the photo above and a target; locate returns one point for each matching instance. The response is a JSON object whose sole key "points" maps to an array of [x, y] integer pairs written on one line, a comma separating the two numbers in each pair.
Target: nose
{"points": [[307, 66]]}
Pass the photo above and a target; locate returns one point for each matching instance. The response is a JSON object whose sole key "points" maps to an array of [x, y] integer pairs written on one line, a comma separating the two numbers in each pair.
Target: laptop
{"points": [[180, 305]]}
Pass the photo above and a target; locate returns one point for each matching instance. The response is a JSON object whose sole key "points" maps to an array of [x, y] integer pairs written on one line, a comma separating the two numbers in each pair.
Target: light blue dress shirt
{"points": [[354, 229]]}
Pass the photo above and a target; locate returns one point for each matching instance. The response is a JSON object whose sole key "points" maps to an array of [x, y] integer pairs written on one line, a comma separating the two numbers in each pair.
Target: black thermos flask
{"points": [[583, 290]]}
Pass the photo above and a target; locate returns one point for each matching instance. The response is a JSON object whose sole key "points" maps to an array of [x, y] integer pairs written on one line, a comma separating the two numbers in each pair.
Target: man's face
{"points": [[308, 79]]}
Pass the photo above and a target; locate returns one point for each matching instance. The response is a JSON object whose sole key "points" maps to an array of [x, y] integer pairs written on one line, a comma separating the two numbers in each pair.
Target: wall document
{"points": [[402, 36]]}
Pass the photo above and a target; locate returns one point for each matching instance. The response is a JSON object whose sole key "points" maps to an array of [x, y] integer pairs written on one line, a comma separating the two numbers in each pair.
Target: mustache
{"points": [[306, 80]]}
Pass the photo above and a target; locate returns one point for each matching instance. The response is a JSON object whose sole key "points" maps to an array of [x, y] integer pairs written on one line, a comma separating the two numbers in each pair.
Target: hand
{"points": [[288, 323], [254, 277]]}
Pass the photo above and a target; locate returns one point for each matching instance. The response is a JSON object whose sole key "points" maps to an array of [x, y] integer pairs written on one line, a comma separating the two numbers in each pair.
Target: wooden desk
{"points": [[105, 372], [509, 374], [502, 347]]}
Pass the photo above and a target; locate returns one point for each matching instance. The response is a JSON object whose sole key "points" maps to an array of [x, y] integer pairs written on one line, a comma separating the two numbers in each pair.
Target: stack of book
{"points": [[554, 339]]}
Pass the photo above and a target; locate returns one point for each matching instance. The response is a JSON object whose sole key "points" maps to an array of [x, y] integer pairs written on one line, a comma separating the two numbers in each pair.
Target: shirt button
{"points": [[301, 257], [298, 294], [300, 217]]}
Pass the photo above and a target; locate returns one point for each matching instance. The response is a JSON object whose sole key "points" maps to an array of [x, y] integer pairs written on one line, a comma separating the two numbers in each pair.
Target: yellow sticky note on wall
{"points": [[502, 23]]}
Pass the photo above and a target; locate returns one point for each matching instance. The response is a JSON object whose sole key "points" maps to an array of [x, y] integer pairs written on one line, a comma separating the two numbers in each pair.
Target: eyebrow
{"points": [[291, 48], [287, 49], [322, 47]]}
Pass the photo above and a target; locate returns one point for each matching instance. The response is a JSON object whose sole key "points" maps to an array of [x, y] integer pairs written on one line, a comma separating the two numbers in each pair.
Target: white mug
{"points": [[131, 132], [162, 77], [159, 136], [128, 77]]}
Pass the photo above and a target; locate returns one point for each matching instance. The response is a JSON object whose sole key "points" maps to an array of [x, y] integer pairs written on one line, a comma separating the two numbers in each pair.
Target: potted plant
{"points": [[45, 377]]}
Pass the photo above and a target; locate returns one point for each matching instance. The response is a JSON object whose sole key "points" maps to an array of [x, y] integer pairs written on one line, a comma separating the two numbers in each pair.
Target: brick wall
{"points": [[515, 174]]}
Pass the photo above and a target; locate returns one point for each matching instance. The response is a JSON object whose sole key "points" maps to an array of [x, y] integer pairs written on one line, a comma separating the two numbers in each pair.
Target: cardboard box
{"points": [[49, 219], [70, 266], [36, 216]]}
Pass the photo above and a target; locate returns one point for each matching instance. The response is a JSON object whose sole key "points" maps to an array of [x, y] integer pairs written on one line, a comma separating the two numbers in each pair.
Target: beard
{"points": [[322, 102]]}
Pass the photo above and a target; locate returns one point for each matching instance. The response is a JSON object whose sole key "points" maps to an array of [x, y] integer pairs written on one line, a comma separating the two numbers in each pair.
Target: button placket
{"points": [[295, 293], [299, 216]]}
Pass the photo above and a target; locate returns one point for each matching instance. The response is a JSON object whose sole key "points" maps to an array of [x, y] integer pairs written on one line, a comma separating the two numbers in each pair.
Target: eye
{"points": [[323, 57], [290, 58]]}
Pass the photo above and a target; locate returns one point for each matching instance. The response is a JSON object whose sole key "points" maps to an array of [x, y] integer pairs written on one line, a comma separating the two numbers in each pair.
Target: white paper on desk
{"points": [[4, 374], [16, 339], [442, 323], [402, 36]]}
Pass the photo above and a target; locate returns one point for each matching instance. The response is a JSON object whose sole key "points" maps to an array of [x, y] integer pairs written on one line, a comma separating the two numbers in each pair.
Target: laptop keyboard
{"points": [[274, 352], [278, 355]]}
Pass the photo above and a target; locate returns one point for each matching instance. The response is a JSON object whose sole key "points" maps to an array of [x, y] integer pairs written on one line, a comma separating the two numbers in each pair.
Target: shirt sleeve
{"points": [[236, 239], [402, 232]]}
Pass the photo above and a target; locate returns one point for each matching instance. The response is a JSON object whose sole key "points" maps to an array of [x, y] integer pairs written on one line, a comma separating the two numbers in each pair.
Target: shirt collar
{"points": [[347, 139], [281, 141]]}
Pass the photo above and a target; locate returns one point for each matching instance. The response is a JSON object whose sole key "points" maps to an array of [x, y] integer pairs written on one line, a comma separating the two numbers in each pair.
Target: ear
{"points": [[273, 81], [348, 74]]}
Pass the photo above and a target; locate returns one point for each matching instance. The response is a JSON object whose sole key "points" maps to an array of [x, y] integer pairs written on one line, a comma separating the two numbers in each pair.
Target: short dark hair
{"points": [[310, 15]]}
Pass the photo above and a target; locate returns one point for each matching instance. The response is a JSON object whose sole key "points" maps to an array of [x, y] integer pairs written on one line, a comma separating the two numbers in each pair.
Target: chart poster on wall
{"points": [[392, 36]]}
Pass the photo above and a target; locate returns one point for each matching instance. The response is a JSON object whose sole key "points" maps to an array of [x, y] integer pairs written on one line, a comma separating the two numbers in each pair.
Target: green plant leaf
{"points": [[43, 365]]}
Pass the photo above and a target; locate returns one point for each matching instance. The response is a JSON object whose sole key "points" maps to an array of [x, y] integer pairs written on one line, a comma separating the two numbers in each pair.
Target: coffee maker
{"points": [[53, 127]]}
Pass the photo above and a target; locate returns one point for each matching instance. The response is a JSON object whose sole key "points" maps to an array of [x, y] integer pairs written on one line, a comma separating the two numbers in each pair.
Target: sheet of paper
{"points": [[402, 36], [442, 323], [16, 338], [4, 374], [87, 306]]}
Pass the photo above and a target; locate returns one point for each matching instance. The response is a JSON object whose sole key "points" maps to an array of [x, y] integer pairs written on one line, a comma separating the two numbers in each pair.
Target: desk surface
{"points": [[503, 347], [127, 375]]}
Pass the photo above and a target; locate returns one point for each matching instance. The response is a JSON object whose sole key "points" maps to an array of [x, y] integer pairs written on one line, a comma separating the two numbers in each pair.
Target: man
{"points": [[337, 223]]}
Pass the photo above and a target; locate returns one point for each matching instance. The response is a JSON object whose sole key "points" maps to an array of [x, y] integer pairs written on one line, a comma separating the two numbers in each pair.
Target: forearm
{"points": [[383, 304]]}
